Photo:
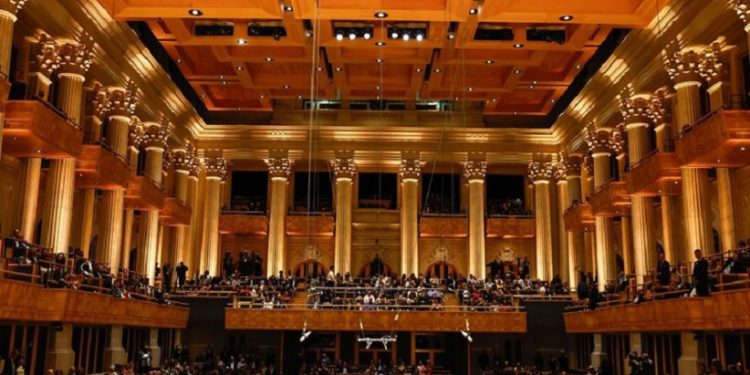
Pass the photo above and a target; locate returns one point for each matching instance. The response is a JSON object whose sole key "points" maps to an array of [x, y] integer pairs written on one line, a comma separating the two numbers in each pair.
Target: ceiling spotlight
{"points": [[287, 8], [489, 62], [339, 35], [179, 61], [515, 113], [534, 82], [299, 96], [394, 34], [367, 35], [578, 66], [451, 36], [419, 70], [286, 87], [308, 33], [742, 148], [420, 37], [494, 100], [377, 88], [516, 71], [380, 43], [566, 18], [552, 100], [240, 68], [195, 12], [241, 42], [531, 86], [471, 89], [379, 60], [223, 82], [352, 35], [406, 37], [338, 68], [518, 45], [239, 108], [269, 59], [320, 68], [467, 336], [473, 11], [262, 96], [221, 78], [377, 97], [438, 70], [203, 96], [381, 14]]}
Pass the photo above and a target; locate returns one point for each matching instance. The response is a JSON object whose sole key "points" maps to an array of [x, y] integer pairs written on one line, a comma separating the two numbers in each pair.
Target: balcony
{"points": [[144, 194], [579, 218], [656, 174], [721, 139], [443, 226], [4, 91], [511, 227], [611, 199], [722, 311], [175, 213], [99, 168], [243, 223], [36, 129], [317, 225], [326, 320]]}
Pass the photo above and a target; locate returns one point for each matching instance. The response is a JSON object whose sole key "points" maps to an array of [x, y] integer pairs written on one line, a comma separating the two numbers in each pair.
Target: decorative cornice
{"points": [[475, 169], [411, 169], [684, 65], [343, 168], [279, 168], [539, 171], [713, 67], [74, 58], [216, 166]]}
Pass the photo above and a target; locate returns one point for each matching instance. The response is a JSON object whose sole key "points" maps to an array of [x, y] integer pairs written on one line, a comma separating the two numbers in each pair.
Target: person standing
{"points": [[700, 274], [182, 270]]}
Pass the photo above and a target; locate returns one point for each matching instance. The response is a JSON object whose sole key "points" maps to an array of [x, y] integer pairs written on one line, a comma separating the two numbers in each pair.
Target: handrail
{"points": [[245, 213], [57, 111], [687, 128], [238, 304], [512, 216], [105, 145], [446, 214], [158, 184]]}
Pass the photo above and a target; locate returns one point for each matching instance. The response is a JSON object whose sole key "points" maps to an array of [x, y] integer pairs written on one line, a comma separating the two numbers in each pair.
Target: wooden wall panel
{"points": [[451, 250], [510, 247]]}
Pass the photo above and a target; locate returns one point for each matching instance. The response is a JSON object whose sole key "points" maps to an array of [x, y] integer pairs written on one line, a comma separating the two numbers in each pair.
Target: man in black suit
{"points": [[663, 270], [700, 274], [181, 274]]}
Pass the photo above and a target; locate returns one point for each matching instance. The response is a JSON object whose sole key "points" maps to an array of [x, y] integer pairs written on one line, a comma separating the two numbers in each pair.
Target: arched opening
{"points": [[375, 267], [442, 270], [309, 268]]}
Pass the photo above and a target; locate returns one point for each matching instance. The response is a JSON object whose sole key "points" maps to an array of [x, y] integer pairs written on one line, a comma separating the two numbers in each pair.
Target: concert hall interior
{"points": [[382, 187]]}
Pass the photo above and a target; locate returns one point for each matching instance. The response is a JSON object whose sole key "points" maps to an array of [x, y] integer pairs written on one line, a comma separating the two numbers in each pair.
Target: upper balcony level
{"points": [[144, 194], [36, 129], [254, 223], [720, 139], [611, 199], [656, 174], [317, 224], [98, 167], [4, 91], [443, 225], [522, 226], [579, 218], [176, 213]]}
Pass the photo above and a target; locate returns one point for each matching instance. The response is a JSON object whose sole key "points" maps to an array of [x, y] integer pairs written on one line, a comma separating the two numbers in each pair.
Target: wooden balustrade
{"points": [[443, 227], [579, 218], [35, 129], [721, 311], [611, 199], [100, 168], [510, 227], [384, 321], [243, 224], [657, 174], [176, 213], [35, 303], [722, 139], [310, 225], [144, 194]]}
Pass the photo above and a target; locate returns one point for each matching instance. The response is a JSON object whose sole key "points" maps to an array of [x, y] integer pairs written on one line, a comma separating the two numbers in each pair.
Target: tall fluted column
{"points": [[587, 188], [183, 160], [155, 141], [475, 172], [574, 239], [560, 176], [216, 170], [73, 60], [343, 171], [606, 265], [135, 141], [636, 110], [410, 171], [118, 105], [682, 67], [28, 186], [540, 174], [8, 16], [190, 258], [279, 170]]}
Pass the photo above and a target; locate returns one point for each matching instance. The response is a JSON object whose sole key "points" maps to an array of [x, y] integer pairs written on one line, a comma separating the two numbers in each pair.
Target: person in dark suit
{"points": [[700, 274], [182, 270], [662, 270]]}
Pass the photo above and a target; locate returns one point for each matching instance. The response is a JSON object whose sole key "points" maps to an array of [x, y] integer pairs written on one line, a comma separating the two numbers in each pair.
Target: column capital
{"points": [[135, 134], [155, 135], [658, 107], [714, 67], [12, 6], [618, 140], [410, 169], [540, 172], [588, 165], [46, 55], [599, 140], [475, 170], [683, 65], [74, 58], [217, 167], [183, 158], [572, 166], [742, 7], [166, 160], [635, 108], [343, 168], [116, 101], [280, 168]]}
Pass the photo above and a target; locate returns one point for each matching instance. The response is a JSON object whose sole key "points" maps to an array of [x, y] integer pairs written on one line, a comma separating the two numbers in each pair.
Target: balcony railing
{"points": [[719, 139], [34, 128]]}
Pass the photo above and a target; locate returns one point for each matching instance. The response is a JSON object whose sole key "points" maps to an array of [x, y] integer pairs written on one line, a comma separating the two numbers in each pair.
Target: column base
{"points": [[688, 362], [62, 359], [115, 356], [597, 358]]}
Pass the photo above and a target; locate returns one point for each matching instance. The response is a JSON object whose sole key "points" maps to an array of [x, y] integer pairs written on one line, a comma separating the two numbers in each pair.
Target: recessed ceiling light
{"points": [[262, 96], [438, 70], [516, 71], [488, 62], [367, 35], [494, 100], [380, 43], [339, 35], [742, 148], [457, 98], [419, 70], [221, 78], [320, 69], [473, 11], [578, 66], [381, 14], [203, 96], [451, 36], [223, 82], [566, 18], [518, 45], [241, 42], [299, 96], [179, 61], [471, 89], [352, 35], [406, 37], [377, 88], [286, 86], [379, 60], [377, 97], [531, 86], [195, 12], [240, 68], [419, 37], [239, 108], [552, 100], [338, 68], [534, 82], [515, 113], [269, 59], [287, 8]]}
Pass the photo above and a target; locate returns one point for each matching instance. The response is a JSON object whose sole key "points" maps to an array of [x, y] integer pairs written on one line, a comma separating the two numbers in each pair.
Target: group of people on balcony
{"points": [[507, 207]]}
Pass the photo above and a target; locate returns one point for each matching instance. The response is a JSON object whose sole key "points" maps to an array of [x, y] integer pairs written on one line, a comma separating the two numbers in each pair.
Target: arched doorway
{"points": [[309, 268], [375, 267], [442, 270]]}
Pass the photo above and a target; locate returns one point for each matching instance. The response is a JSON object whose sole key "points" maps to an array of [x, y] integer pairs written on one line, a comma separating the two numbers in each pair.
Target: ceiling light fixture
{"points": [[381, 14], [195, 12], [339, 35], [287, 8], [338, 68], [471, 89], [380, 43], [406, 37], [367, 35], [352, 35], [240, 68], [515, 113], [379, 60], [451, 36], [420, 37], [241, 42], [518, 45], [489, 62], [286, 87], [566, 18], [473, 11], [438, 70], [269, 59], [578, 66], [394, 34], [516, 71], [419, 70]]}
